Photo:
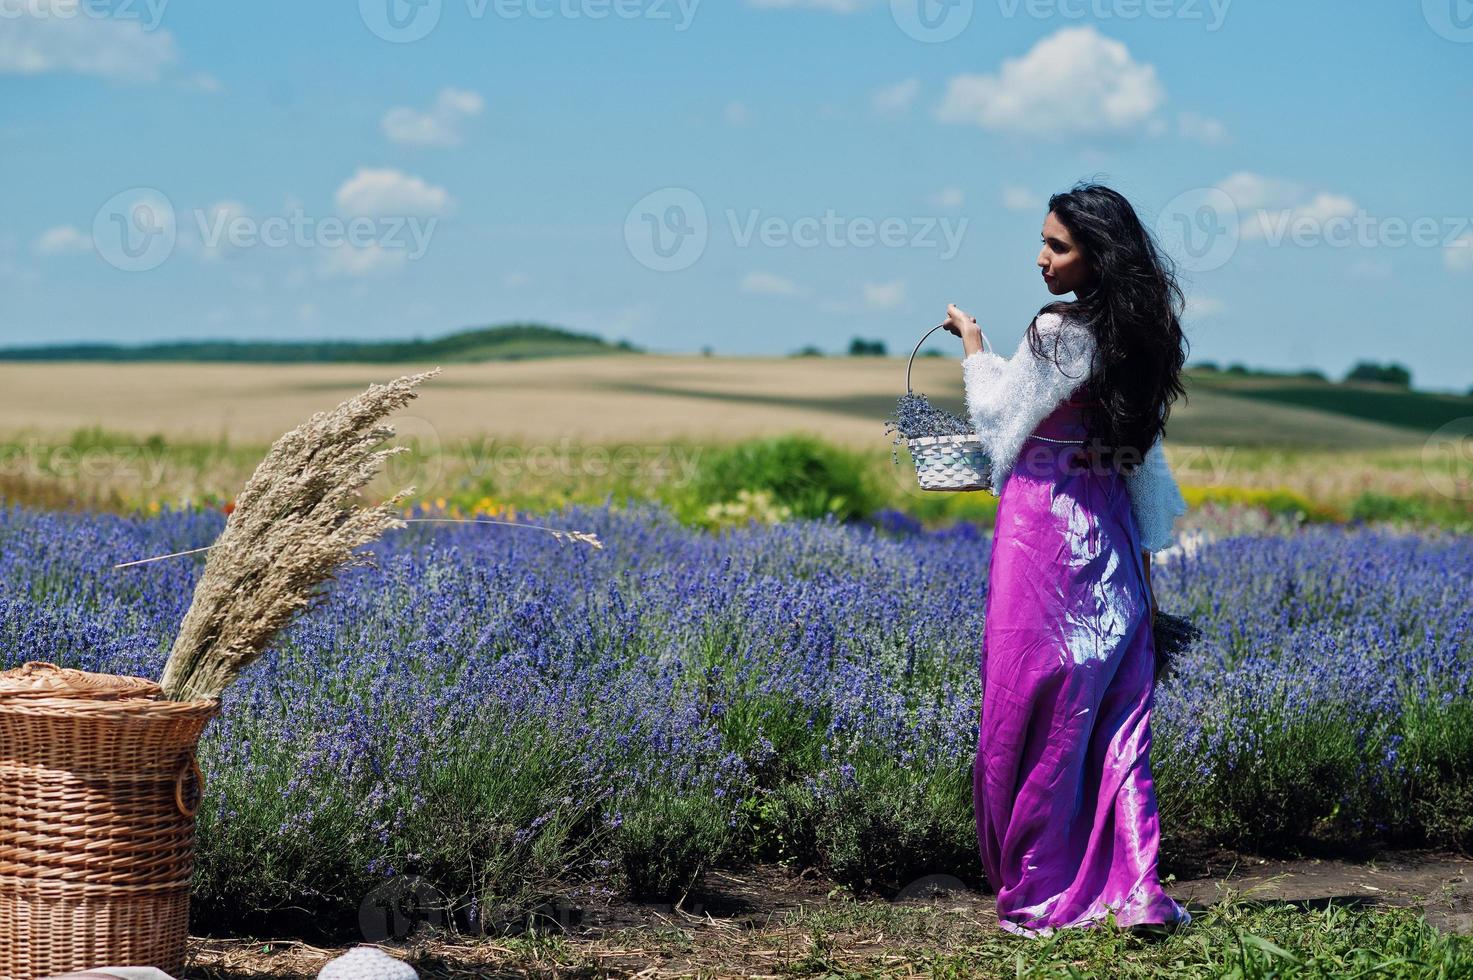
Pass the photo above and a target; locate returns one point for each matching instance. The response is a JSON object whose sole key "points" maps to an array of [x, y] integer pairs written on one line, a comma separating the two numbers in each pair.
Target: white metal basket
{"points": [[948, 462]]}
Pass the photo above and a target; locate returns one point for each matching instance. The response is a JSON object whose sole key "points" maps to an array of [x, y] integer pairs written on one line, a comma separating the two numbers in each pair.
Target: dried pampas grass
{"points": [[295, 522]]}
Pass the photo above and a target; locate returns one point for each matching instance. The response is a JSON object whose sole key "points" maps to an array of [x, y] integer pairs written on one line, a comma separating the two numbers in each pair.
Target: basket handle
{"points": [[188, 801], [986, 344]]}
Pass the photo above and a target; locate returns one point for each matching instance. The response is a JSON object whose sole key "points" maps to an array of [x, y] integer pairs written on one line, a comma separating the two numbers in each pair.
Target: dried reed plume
{"points": [[295, 522]]}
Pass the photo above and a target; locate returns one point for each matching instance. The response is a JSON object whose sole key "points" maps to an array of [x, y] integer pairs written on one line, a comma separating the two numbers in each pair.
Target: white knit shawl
{"points": [[1008, 397]]}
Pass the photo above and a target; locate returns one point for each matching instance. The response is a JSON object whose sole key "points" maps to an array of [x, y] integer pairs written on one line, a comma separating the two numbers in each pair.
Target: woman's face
{"points": [[1064, 268]]}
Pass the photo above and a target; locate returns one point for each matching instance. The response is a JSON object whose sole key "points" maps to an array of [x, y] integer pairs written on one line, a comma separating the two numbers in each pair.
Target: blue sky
{"points": [[749, 175]]}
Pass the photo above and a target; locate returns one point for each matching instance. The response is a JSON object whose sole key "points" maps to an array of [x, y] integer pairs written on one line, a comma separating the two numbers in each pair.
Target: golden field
{"points": [[167, 430]]}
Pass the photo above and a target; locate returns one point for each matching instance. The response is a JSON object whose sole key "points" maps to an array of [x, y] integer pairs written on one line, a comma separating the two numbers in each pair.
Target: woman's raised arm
{"points": [[1008, 396]]}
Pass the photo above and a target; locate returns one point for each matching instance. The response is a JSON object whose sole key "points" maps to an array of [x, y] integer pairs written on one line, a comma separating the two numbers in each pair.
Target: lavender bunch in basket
{"points": [[915, 416]]}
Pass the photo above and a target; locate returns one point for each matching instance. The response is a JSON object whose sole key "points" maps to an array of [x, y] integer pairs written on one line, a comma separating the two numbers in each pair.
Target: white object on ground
{"points": [[367, 963]]}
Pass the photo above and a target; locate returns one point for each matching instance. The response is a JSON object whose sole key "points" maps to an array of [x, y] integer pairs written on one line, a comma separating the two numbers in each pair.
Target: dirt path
{"points": [[738, 915]]}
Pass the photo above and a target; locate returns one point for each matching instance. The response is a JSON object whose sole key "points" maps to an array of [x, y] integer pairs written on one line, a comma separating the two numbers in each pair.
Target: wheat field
{"points": [[198, 428], [586, 399]]}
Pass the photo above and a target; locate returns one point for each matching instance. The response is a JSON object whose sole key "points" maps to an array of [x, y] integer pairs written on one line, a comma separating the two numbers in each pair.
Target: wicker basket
{"points": [[98, 789], [948, 462]]}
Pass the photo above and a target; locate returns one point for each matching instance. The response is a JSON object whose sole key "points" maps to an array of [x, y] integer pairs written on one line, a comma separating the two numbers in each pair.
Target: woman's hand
{"points": [[965, 327], [958, 322]]}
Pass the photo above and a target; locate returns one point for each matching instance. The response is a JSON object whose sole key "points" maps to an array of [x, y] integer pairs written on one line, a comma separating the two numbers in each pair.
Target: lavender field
{"points": [[492, 710]]}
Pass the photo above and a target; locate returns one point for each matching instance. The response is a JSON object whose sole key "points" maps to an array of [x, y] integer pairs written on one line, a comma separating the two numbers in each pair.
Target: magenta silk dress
{"points": [[1066, 809]]}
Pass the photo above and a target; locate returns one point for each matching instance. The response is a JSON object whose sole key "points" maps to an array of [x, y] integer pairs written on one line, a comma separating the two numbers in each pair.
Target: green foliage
{"points": [[511, 342], [667, 839], [1303, 771], [866, 348], [1438, 742], [1275, 501], [806, 475], [1394, 374], [894, 825], [1425, 511]]}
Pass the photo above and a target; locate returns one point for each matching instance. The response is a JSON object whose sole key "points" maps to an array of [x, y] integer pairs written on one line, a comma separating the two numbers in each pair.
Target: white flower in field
{"points": [[367, 963], [748, 506]]}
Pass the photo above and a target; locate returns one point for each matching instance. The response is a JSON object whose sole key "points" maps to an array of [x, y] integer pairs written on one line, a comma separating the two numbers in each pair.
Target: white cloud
{"points": [[1201, 129], [1325, 206], [43, 36], [62, 240], [768, 284], [1073, 82], [1271, 205], [202, 82], [737, 114], [895, 100], [1199, 306], [440, 125], [355, 262], [1251, 191], [1016, 198], [948, 197], [883, 295], [214, 229], [1458, 256], [390, 192]]}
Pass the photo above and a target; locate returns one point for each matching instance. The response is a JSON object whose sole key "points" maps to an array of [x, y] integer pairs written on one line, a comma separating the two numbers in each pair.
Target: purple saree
{"points": [[1066, 809]]}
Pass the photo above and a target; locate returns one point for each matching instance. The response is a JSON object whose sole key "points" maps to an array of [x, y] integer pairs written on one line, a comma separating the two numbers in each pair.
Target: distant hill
{"points": [[1371, 401], [505, 343]]}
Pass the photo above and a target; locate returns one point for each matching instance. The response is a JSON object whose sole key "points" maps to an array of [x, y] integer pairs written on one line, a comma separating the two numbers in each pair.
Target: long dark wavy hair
{"points": [[1133, 309]]}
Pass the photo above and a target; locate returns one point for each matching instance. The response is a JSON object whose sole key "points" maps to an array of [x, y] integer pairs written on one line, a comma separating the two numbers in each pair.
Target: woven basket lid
{"points": [[37, 679]]}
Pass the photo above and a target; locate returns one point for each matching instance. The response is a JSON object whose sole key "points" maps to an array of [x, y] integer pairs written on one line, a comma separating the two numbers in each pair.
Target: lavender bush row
{"points": [[494, 710]]}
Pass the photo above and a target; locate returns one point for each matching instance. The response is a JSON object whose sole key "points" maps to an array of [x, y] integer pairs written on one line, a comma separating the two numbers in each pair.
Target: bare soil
{"points": [[735, 922]]}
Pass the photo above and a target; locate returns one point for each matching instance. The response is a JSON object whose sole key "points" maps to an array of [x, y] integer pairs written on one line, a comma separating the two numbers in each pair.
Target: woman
{"points": [[1066, 811]]}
